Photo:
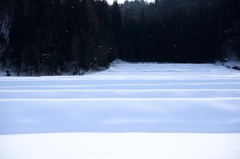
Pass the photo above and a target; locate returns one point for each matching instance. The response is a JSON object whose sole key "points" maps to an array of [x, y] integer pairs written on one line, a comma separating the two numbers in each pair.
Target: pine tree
{"points": [[73, 18], [17, 36], [93, 42], [116, 27]]}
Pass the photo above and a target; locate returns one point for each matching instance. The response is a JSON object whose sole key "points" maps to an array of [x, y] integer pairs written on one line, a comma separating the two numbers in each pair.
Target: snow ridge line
{"points": [[115, 99], [120, 90]]}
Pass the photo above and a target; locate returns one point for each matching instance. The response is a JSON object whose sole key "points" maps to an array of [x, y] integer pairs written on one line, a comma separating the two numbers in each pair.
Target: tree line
{"points": [[52, 37], [196, 31]]}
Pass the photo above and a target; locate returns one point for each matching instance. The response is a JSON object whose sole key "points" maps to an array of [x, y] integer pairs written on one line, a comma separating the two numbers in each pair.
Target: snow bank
{"points": [[120, 145]]}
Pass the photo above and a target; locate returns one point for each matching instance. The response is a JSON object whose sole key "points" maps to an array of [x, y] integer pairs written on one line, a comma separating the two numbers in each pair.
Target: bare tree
{"points": [[6, 17]]}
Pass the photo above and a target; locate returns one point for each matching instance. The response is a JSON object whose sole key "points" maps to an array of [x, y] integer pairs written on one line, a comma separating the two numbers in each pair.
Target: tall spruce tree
{"points": [[17, 36], [116, 27]]}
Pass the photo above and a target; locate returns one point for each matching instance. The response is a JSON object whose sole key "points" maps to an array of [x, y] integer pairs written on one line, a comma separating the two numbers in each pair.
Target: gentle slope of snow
{"points": [[189, 111]]}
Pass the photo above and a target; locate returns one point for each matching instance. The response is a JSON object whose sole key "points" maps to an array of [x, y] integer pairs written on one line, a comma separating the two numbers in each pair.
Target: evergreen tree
{"points": [[17, 36], [116, 27], [74, 27]]}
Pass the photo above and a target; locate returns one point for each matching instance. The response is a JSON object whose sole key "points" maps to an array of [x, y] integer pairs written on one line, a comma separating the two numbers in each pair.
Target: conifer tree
{"points": [[17, 36], [116, 27]]}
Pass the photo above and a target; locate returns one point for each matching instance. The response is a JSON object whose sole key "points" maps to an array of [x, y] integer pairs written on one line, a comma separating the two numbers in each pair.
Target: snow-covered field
{"points": [[128, 111]]}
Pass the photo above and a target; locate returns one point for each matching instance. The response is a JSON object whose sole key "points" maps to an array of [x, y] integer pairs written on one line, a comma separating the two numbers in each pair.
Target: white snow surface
{"points": [[187, 98], [185, 111], [120, 146]]}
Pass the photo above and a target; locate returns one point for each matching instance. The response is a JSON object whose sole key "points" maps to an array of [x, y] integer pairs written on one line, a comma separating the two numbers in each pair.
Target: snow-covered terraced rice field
{"points": [[124, 98], [154, 99]]}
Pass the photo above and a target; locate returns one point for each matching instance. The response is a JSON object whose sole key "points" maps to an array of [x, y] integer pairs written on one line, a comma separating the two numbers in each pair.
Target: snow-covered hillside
{"points": [[163, 104]]}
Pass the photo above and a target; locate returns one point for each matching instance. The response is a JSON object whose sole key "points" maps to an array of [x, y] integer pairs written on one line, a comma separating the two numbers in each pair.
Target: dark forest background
{"points": [[51, 37]]}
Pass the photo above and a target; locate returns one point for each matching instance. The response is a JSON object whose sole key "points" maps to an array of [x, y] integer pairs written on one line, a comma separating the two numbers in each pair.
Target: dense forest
{"points": [[53, 37]]}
